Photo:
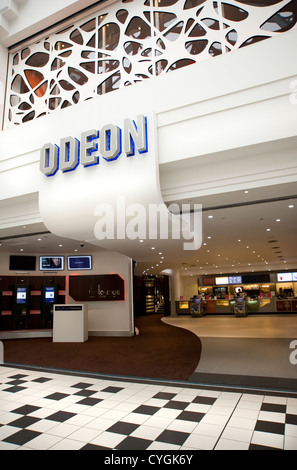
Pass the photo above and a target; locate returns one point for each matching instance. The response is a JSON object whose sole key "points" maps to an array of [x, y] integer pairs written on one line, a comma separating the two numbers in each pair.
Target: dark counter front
{"points": [[286, 305], [183, 307]]}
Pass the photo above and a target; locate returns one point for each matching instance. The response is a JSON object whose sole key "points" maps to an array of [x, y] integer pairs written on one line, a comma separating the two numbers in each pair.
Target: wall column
{"points": [[175, 287]]}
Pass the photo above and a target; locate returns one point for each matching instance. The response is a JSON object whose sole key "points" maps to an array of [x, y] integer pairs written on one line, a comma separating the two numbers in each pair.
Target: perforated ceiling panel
{"points": [[130, 41]]}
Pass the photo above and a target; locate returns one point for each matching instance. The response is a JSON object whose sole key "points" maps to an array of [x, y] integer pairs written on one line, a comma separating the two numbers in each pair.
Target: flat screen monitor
{"points": [[235, 280], [221, 281], [49, 295], [77, 263], [284, 277], [21, 263], [51, 263], [21, 295]]}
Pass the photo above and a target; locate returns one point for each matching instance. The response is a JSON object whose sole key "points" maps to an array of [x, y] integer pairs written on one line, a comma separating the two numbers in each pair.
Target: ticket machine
{"points": [[49, 296], [21, 307]]}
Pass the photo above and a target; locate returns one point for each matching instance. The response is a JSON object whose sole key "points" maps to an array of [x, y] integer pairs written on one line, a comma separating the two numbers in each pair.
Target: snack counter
{"points": [[286, 305], [226, 306], [183, 307]]}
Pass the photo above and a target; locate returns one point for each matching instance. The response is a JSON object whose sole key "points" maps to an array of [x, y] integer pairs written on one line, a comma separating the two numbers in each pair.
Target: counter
{"points": [[286, 305], [226, 306]]}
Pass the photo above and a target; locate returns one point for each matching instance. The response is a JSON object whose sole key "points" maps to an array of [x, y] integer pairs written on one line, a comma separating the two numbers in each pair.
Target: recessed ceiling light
{"points": [[277, 220], [268, 229], [245, 192], [153, 248], [291, 206], [210, 216], [140, 241]]}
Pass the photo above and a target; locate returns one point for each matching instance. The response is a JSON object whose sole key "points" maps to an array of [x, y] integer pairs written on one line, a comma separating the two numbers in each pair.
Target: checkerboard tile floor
{"points": [[41, 410]]}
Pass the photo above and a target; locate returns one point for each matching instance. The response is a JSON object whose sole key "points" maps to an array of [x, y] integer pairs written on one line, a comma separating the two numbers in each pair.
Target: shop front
{"points": [[265, 293]]}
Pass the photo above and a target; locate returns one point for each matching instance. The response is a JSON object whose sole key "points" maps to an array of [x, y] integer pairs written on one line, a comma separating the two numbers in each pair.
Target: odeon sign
{"points": [[109, 143]]}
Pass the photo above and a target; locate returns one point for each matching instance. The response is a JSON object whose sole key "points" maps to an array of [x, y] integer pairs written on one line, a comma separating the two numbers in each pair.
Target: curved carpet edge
{"points": [[159, 351]]}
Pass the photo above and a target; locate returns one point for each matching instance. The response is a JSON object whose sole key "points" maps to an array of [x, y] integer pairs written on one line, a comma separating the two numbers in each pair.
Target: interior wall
{"points": [[189, 286], [105, 318]]}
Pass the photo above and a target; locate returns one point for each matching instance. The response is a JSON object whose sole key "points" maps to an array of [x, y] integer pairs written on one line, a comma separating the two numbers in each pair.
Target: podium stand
{"points": [[70, 323]]}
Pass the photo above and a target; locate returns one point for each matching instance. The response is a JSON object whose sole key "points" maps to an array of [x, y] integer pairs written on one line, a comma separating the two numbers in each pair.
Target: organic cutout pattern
{"points": [[130, 41]]}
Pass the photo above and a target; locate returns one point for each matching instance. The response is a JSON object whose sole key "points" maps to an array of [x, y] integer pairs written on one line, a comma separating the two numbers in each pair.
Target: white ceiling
{"points": [[265, 243]]}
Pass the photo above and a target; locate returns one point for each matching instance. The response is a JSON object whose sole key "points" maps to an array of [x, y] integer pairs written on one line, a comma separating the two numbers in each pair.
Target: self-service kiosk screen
{"points": [[49, 295], [21, 295], [77, 263], [51, 263]]}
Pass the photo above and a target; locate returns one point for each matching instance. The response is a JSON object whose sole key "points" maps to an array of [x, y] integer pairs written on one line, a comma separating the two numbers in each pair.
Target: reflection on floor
{"points": [[42, 409], [254, 350]]}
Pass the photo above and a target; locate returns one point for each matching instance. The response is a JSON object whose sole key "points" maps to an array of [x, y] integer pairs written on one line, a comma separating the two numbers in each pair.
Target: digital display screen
{"points": [[284, 277], [49, 295], [20, 263], [76, 263], [51, 263], [221, 281], [235, 279], [21, 295]]}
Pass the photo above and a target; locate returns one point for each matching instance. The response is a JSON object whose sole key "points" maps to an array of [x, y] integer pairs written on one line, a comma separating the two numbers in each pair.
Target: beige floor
{"points": [[260, 326], [254, 349]]}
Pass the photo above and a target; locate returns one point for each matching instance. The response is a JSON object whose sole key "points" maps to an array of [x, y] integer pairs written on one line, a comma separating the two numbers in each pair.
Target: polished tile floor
{"points": [[50, 410], [254, 350]]}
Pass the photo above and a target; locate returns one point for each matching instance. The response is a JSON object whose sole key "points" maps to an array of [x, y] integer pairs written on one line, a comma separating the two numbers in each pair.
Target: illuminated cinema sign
{"points": [[109, 143]]}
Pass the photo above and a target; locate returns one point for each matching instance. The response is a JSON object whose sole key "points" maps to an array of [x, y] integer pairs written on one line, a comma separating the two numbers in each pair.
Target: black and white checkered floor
{"points": [[45, 410]]}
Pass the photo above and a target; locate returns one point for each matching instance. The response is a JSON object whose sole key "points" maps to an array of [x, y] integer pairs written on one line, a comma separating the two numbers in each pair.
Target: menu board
{"points": [[222, 281], [285, 277], [235, 279]]}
